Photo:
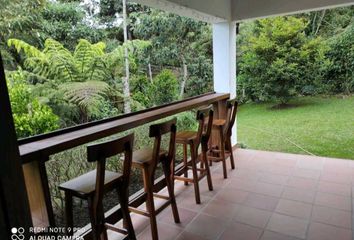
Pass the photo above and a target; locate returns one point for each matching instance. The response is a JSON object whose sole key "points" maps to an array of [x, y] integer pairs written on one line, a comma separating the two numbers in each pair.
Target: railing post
{"points": [[38, 191]]}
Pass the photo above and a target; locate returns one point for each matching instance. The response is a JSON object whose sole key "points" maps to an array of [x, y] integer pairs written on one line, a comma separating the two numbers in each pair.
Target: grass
{"points": [[323, 126]]}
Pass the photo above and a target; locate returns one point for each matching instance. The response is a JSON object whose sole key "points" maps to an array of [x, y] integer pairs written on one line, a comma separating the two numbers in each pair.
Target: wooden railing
{"points": [[35, 151]]}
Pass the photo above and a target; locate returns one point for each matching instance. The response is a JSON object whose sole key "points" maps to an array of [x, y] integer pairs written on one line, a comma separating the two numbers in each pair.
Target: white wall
{"points": [[224, 61]]}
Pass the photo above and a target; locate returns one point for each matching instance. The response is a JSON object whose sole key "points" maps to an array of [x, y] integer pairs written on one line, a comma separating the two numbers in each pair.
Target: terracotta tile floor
{"points": [[269, 196]]}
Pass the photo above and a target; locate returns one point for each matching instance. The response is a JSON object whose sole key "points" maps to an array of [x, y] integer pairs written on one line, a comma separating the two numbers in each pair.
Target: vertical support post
{"points": [[14, 208], [224, 62]]}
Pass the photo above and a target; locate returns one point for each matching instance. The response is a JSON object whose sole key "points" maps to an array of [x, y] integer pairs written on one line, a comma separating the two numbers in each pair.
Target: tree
{"points": [[341, 72], [85, 78], [126, 90], [329, 22], [164, 88], [19, 18], [80, 77], [174, 40], [279, 61], [65, 22]]}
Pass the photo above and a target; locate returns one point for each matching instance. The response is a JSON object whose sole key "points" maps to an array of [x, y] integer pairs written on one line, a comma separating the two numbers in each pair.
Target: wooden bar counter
{"points": [[35, 151]]}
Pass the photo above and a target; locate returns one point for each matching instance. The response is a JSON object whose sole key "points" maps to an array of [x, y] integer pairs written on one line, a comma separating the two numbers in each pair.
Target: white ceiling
{"points": [[237, 10]]}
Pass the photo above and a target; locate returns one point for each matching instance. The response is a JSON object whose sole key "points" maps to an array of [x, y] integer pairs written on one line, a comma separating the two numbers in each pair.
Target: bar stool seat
{"points": [[186, 136], [85, 185], [144, 156]]}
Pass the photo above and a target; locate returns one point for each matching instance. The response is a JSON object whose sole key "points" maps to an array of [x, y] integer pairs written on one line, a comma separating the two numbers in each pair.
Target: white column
{"points": [[224, 61]]}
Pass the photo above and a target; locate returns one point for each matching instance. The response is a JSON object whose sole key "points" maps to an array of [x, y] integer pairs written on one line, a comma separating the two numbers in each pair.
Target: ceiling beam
{"points": [[212, 11], [254, 9], [203, 10]]}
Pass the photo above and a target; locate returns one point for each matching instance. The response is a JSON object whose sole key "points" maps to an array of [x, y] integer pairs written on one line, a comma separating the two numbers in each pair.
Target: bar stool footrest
{"points": [[180, 178], [161, 196], [139, 211], [116, 229]]}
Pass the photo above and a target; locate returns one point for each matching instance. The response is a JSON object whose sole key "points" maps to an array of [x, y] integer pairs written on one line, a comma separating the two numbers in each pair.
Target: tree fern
{"points": [[82, 77], [54, 62], [90, 62], [28, 49], [61, 61], [99, 48], [86, 95], [36, 61]]}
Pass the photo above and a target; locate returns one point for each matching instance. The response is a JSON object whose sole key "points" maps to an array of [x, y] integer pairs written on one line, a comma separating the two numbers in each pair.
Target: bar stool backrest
{"points": [[204, 129], [99, 153], [156, 131], [231, 106]]}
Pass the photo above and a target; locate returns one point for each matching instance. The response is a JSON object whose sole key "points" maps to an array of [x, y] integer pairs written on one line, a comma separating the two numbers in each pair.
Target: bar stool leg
{"points": [[231, 153], [102, 229], [195, 173], [69, 213], [170, 187], [210, 147], [150, 203], [222, 151], [127, 222], [185, 163], [92, 217], [207, 169]]}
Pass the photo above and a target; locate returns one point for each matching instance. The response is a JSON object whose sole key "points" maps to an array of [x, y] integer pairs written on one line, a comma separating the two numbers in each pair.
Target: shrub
{"points": [[341, 72], [140, 89], [164, 88], [280, 61], [31, 117]]}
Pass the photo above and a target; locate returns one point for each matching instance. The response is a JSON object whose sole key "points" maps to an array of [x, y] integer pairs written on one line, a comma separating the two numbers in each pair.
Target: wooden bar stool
{"points": [[194, 139], [224, 129], [147, 160], [92, 186]]}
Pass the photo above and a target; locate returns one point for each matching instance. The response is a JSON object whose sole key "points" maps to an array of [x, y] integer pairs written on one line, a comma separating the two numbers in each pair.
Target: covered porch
{"points": [[269, 196]]}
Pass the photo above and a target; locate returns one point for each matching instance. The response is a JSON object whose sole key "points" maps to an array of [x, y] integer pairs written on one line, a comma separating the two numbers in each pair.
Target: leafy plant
{"points": [[31, 117], [57, 63], [279, 61], [86, 95], [64, 21], [82, 76], [164, 88], [115, 59], [341, 73]]}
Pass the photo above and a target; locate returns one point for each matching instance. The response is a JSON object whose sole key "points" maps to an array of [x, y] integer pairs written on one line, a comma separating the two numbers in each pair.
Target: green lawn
{"points": [[321, 126]]}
